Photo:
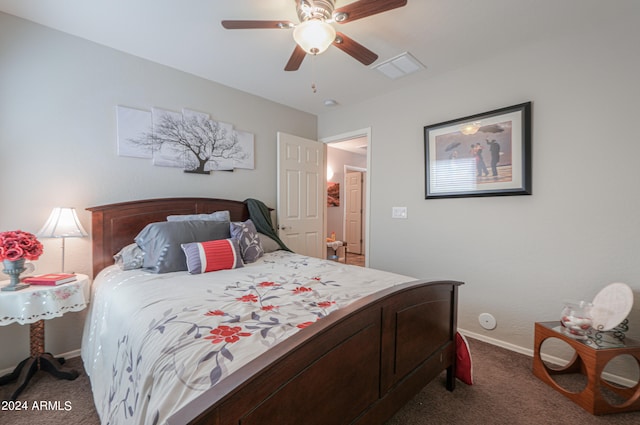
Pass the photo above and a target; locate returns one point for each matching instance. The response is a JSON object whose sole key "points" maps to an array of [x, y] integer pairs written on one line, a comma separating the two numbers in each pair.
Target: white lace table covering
{"points": [[39, 302], [335, 244]]}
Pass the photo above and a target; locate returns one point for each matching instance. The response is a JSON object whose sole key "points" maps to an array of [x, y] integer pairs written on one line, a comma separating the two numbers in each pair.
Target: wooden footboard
{"points": [[357, 366]]}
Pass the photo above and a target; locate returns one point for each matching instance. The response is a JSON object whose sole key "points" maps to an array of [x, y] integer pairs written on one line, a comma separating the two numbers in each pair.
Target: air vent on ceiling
{"points": [[400, 66]]}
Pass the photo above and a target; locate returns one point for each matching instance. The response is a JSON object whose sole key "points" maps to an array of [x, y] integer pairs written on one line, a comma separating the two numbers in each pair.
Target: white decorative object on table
{"points": [[576, 319], [611, 306]]}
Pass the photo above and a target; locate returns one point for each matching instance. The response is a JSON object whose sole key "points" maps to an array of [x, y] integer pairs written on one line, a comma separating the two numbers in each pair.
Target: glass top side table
{"points": [[590, 360]]}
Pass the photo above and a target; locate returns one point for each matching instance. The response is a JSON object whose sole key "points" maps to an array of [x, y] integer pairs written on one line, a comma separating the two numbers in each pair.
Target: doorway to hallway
{"points": [[347, 162]]}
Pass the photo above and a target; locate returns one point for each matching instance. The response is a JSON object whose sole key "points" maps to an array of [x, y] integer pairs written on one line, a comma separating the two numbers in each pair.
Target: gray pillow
{"points": [[161, 242], [247, 236], [268, 244], [214, 216], [129, 257]]}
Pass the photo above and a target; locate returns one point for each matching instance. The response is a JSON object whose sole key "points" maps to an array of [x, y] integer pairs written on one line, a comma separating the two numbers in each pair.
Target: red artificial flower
{"points": [[251, 298], [13, 254], [214, 313], [224, 333], [16, 244], [301, 289]]}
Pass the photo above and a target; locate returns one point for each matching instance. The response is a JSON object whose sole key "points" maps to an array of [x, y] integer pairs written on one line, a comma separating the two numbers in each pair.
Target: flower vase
{"points": [[14, 269]]}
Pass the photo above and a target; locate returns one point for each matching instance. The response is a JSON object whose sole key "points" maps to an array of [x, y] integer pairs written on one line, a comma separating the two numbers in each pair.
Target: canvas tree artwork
{"points": [[189, 140]]}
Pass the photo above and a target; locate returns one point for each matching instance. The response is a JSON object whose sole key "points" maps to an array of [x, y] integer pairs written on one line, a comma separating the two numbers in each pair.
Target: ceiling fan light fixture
{"points": [[314, 36], [340, 16]]}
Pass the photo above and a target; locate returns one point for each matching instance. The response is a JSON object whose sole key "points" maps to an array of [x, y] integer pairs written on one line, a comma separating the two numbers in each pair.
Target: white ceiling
{"points": [[358, 145], [187, 35]]}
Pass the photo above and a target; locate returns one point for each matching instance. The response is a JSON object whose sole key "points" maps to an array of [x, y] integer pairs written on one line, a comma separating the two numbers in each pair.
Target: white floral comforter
{"points": [[153, 342]]}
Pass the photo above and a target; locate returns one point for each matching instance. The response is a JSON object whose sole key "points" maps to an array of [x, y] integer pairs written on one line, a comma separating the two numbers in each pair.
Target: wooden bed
{"points": [[381, 350]]}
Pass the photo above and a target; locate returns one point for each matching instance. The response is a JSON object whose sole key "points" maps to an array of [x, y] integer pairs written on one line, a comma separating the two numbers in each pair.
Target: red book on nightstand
{"points": [[50, 279]]}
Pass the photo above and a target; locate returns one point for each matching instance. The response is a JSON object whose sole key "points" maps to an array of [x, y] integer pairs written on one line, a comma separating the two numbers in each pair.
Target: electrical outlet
{"points": [[399, 212]]}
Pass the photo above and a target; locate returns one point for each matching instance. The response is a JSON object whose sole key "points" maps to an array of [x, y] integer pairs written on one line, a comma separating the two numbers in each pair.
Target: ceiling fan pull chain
{"points": [[313, 74]]}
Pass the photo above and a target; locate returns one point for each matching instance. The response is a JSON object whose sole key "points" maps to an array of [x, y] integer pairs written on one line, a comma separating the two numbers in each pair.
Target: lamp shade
{"points": [[62, 223], [314, 36]]}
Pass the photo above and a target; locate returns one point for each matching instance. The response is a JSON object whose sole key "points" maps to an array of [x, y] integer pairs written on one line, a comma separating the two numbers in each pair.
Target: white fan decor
{"points": [[611, 306]]}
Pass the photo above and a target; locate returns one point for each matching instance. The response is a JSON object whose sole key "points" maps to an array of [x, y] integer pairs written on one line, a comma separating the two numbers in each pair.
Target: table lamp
{"points": [[62, 223]]}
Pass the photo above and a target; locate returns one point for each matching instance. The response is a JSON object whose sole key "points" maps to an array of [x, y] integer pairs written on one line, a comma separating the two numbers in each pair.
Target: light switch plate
{"points": [[399, 212]]}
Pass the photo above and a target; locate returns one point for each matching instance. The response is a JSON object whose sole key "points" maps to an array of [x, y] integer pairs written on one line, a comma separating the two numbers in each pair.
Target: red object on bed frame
{"points": [[358, 365]]}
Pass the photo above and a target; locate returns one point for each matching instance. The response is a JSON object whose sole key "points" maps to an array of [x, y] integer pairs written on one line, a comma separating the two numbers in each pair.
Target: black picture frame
{"points": [[487, 154]]}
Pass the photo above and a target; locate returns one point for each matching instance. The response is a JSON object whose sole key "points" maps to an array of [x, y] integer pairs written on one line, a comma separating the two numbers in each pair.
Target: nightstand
{"points": [[335, 246], [590, 360], [33, 306]]}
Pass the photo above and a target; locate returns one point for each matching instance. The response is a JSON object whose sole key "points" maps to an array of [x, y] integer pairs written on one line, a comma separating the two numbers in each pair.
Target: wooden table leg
{"points": [[39, 360]]}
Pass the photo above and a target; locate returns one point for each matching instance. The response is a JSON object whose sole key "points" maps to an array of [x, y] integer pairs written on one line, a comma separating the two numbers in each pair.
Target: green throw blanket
{"points": [[261, 217]]}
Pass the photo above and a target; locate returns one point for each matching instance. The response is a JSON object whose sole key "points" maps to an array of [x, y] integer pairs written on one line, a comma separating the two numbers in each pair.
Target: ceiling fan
{"points": [[314, 34]]}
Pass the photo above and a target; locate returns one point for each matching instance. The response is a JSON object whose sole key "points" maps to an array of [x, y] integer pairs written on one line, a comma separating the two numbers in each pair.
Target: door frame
{"points": [[365, 132]]}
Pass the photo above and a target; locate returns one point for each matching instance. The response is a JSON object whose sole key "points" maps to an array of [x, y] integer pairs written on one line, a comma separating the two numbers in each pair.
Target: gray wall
{"points": [[58, 97], [520, 256]]}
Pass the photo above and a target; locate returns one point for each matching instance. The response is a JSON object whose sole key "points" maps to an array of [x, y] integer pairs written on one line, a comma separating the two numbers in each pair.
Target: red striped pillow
{"points": [[210, 256]]}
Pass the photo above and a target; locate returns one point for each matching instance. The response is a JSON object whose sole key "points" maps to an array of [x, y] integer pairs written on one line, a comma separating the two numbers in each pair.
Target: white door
{"points": [[301, 194], [353, 211]]}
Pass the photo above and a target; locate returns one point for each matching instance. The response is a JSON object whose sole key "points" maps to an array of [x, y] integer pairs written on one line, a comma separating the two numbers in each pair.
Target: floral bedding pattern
{"points": [[153, 342]]}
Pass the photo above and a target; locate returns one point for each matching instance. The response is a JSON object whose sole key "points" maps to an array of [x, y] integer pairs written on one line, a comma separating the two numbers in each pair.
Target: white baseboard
{"points": [[497, 342], [622, 381], [67, 355]]}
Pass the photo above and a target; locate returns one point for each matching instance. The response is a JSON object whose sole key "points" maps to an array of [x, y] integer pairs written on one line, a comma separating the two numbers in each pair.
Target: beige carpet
{"points": [[52, 401], [504, 392]]}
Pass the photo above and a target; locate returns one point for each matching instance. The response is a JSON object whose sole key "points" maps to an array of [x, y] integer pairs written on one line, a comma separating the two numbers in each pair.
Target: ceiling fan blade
{"points": [[363, 8], [354, 49], [243, 25], [296, 59]]}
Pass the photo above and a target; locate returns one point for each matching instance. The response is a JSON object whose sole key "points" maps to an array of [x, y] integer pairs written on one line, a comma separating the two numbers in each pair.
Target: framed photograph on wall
{"points": [[333, 194], [487, 154]]}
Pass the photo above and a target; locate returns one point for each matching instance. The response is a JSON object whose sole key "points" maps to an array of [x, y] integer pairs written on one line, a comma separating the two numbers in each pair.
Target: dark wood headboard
{"points": [[114, 226]]}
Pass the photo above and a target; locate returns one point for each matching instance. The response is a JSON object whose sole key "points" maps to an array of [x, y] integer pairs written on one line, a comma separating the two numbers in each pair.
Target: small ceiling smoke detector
{"points": [[330, 102], [400, 66]]}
